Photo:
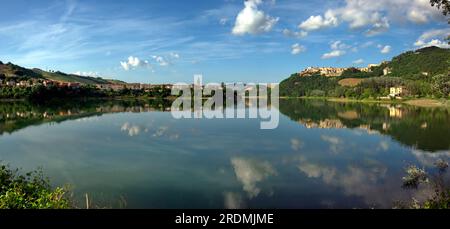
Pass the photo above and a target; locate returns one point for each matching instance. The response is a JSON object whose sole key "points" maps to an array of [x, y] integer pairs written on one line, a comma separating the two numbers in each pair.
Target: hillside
{"points": [[70, 78], [424, 73], [16, 72], [432, 60], [350, 82], [427, 61], [10, 70]]}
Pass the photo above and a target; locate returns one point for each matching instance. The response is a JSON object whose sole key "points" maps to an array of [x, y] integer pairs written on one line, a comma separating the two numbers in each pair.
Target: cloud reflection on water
{"points": [[250, 172]]}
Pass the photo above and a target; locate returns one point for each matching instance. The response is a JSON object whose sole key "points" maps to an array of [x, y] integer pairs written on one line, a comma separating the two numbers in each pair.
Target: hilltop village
{"points": [[334, 72]]}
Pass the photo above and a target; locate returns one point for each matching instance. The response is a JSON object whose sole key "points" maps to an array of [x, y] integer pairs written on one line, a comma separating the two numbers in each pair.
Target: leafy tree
{"points": [[317, 93], [443, 5], [441, 84]]}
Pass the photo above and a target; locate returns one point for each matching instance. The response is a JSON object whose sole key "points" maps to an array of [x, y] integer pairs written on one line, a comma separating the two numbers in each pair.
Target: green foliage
{"points": [[440, 200], [356, 73], [41, 93], [317, 93], [29, 191], [432, 60], [441, 85], [297, 86], [414, 176]]}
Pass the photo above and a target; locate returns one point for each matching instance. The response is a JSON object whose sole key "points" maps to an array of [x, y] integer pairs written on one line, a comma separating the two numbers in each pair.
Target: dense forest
{"points": [[423, 73]]}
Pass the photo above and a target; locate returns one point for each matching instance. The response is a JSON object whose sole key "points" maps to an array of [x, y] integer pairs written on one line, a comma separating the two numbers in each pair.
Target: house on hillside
{"points": [[23, 83], [74, 85], [114, 87], [387, 71], [134, 86], [397, 92], [48, 83], [373, 65]]}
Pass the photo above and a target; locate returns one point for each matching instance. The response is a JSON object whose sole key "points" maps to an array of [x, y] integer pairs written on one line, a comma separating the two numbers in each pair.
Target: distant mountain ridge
{"points": [[17, 72]]}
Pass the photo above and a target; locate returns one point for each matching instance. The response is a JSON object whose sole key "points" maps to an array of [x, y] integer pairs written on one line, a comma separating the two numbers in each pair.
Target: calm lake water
{"points": [[136, 155]]}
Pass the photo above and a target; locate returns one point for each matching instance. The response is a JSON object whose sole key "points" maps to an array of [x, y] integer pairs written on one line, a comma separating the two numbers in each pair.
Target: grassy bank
{"points": [[412, 102], [429, 102]]}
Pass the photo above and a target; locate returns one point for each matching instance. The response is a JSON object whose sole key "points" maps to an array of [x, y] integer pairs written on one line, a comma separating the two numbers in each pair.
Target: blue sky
{"points": [[225, 40]]}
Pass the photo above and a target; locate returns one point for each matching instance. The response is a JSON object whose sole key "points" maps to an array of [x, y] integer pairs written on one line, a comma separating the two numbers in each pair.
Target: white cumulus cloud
{"points": [[379, 26], [297, 49], [300, 34], [433, 37], [417, 16], [385, 49], [338, 48], [175, 55], [251, 20], [319, 22], [133, 62], [161, 61], [374, 17], [333, 54], [90, 74], [358, 61]]}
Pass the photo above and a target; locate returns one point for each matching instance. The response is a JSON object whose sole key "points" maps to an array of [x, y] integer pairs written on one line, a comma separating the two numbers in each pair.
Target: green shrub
{"points": [[29, 191]]}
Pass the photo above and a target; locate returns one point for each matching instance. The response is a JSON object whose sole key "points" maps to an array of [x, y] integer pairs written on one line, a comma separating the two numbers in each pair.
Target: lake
{"points": [[134, 154]]}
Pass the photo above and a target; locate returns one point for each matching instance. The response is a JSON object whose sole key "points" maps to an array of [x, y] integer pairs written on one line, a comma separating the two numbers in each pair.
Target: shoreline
{"points": [[420, 102]]}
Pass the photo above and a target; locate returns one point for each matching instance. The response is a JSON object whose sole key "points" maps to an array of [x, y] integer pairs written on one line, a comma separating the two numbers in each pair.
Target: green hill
{"points": [[10, 70], [424, 72], [13, 71], [71, 78], [432, 60]]}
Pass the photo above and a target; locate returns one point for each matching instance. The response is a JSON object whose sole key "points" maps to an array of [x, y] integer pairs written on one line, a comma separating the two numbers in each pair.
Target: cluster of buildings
{"points": [[324, 71], [132, 86], [37, 82], [48, 83], [334, 72]]}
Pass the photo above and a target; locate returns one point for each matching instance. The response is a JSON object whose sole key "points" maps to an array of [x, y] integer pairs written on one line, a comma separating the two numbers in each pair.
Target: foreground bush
{"points": [[415, 176], [29, 191]]}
